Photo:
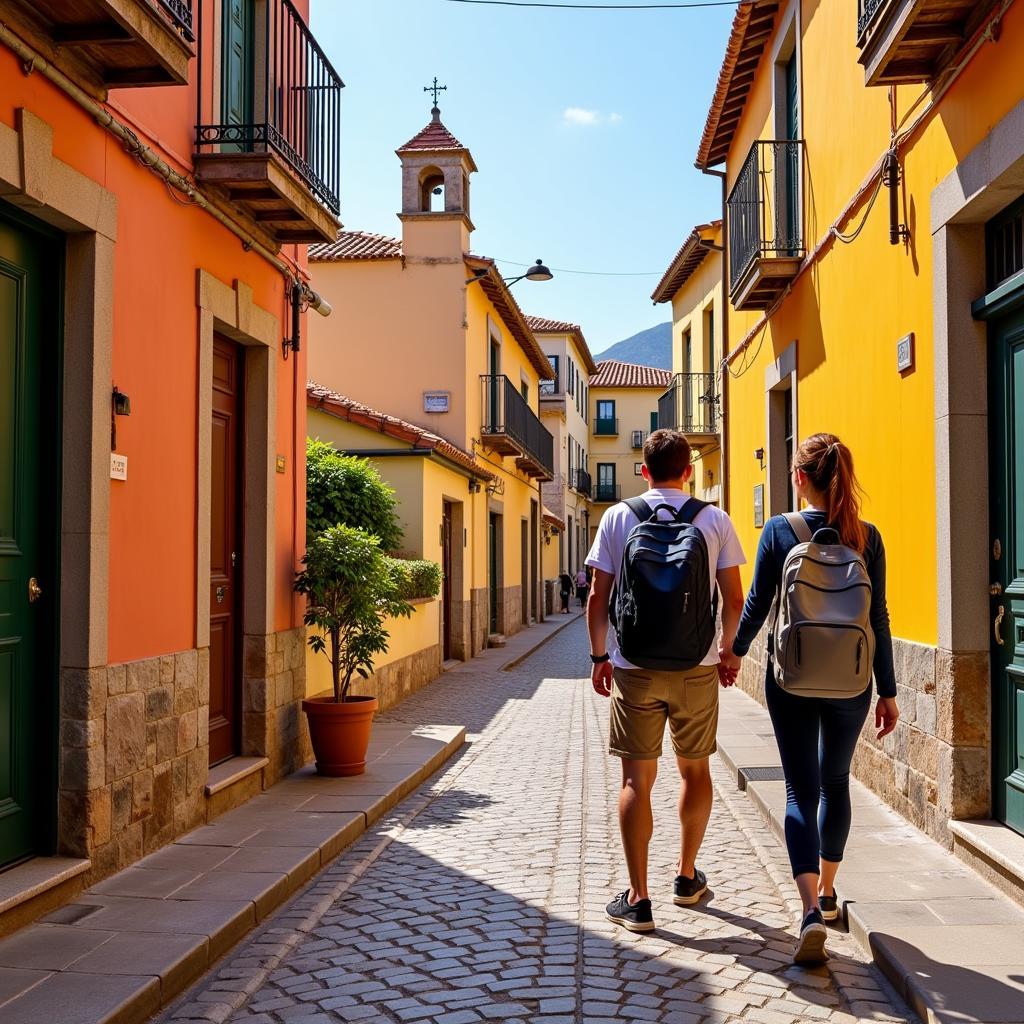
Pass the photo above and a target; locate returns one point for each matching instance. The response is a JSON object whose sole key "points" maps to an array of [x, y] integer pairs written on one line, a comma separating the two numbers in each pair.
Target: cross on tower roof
{"points": [[435, 89]]}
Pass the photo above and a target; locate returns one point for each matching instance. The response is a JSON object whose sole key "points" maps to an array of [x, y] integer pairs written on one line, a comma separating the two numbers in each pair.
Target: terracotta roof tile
{"points": [[356, 245], [685, 263], [752, 27], [320, 397], [541, 325], [434, 138], [613, 374]]}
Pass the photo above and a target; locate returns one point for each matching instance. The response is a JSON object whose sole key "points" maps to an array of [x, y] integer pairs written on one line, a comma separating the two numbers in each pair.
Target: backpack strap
{"points": [[799, 526], [640, 509], [690, 509]]}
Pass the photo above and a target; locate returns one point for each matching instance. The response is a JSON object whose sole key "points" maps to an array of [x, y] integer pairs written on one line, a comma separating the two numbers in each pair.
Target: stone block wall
{"points": [[134, 746], [510, 610], [394, 682], [936, 765], [133, 757]]}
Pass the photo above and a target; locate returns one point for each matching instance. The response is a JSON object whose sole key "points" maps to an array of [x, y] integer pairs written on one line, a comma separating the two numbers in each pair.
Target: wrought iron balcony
{"points": [[604, 492], [107, 44], [691, 404], [913, 40], [275, 151], [511, 427], [606, 427], [766, 244], [580, 481], [549, 389]]}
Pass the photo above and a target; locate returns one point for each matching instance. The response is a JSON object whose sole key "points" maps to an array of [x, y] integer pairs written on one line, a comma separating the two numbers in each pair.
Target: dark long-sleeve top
{"points": [[777, 540]]}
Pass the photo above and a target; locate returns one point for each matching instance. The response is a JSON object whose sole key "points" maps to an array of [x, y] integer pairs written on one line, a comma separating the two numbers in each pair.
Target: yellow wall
{"points": [[848, 312]]}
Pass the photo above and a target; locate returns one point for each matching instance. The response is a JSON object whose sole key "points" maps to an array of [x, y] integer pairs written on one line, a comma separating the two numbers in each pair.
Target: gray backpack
{"points": [[824, 645]]}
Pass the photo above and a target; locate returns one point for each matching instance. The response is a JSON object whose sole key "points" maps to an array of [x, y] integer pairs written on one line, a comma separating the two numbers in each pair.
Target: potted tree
{"points": [[351, 587]]}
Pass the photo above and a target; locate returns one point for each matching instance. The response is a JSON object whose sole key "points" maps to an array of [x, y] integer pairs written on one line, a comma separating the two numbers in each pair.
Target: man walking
{"points": [[656, 561]]}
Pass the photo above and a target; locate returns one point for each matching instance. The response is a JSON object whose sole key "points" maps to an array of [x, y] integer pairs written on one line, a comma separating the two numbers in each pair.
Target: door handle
{"points": [[998, 626], [34, 590], [220, 595]]}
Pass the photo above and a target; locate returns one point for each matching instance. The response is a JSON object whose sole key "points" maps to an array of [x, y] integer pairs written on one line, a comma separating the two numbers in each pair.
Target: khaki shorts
{"points": [[644, 699]]}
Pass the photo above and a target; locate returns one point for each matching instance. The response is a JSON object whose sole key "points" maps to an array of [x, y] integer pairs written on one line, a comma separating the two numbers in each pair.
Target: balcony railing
{"points": [[766, 223], [180, 12], [548, 388], [606, 427], [691, 404], [295, 107], [580, 481], [604, 492], [866, 13], [511, 427]]}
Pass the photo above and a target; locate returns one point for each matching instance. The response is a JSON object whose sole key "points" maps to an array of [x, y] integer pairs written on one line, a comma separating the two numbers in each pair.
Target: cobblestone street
{"points": [[482, 896]]}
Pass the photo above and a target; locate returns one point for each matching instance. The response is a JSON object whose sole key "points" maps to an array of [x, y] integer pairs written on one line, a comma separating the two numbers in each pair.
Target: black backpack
{"points": [[662, 607]]}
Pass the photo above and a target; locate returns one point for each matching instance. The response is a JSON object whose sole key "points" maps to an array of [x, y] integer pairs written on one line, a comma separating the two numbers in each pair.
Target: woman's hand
{"points": [[887, 714]]}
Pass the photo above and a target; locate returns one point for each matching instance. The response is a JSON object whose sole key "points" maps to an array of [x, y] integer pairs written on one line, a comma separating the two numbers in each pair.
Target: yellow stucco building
{"points": [[432, 337], [623, 411], [564, 409], [874, 174], [693, 285]]}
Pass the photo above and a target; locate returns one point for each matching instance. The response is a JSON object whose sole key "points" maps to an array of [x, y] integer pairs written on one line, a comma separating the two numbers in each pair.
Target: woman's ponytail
{"points": [[828, 464]]}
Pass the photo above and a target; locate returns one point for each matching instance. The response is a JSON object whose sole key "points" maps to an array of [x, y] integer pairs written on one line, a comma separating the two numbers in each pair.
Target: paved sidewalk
{"points": [[482, 897], [952, 944]]}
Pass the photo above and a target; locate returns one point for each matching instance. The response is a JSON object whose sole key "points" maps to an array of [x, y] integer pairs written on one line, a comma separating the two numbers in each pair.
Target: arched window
{"points": [[431, 190]]}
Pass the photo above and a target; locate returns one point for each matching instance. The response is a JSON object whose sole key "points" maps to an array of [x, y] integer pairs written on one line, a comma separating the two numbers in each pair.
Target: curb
{"points": [[520, 658]]}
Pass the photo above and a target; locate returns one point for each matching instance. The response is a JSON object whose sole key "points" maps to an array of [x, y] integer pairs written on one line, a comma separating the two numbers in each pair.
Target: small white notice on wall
{"points": [[436, 401], [118, 466], [905, 353]]}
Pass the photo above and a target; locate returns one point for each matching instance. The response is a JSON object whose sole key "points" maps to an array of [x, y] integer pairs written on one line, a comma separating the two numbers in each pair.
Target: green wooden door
{"points": [[1007, 498], [237, 64], [30, 289], [787, 161]]}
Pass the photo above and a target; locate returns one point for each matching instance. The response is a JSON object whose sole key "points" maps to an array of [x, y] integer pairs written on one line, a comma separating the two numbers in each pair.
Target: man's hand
{"points": [[728, 666], [601, 677], [887, 714]]}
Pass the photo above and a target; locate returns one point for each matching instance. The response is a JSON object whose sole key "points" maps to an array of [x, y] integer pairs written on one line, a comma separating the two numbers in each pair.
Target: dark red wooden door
{"points": [[225, 551]]}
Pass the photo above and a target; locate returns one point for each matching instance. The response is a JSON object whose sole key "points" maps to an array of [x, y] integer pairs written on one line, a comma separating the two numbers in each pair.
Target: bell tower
{"points": [[436, 169]]}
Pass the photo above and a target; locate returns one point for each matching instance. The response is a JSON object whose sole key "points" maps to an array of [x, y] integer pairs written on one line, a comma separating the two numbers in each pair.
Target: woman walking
{"points": [[582, 587], [817, 735]]}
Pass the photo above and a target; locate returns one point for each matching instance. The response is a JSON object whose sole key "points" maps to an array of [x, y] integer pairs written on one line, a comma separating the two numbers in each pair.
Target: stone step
{"points": [[995, 851]]}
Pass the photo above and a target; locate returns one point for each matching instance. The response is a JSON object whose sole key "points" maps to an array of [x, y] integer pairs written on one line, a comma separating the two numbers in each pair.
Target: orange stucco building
{"points": [[155, 205]]}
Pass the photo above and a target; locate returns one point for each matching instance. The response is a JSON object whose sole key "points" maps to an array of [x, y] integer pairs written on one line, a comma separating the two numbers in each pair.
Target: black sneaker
{"points": [[687, 891], [636, 917], [829, 906], [811, 947]]}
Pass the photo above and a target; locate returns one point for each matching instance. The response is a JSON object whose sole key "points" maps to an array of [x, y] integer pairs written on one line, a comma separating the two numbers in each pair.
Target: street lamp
{"points": [[538, 272]]}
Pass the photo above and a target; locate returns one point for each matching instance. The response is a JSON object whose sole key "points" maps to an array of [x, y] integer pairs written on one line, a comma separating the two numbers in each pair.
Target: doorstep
{"points": [[130, 944], [36, 886], [948, 940], [995, 851]]}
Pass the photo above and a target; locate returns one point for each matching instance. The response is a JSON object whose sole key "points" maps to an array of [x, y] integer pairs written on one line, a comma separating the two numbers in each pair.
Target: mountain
{"points": [[652, 347]]}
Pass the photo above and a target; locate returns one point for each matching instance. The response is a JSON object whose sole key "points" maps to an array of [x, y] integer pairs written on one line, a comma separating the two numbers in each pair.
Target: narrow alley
{"points": [[468, 903]]}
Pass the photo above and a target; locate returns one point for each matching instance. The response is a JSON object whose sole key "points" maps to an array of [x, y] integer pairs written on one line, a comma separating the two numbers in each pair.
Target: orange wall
{"points": [[161, 243]]}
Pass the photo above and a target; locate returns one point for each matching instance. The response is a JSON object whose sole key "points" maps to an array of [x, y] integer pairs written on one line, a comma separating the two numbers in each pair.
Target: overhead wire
{"points": [[602, 7]]}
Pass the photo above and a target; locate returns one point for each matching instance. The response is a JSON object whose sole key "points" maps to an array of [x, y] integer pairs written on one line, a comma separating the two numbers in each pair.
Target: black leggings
{"points": [[817, 737]]}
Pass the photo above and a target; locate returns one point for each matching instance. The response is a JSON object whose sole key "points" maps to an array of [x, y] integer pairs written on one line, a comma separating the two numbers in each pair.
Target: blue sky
{"points": [[584, 125]]}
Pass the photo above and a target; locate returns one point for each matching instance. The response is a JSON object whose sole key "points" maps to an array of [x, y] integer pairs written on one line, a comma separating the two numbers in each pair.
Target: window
{"points": [[709, 340], [637, 439], [554, 365], [654, 421], [783, 416], [606, 409], [606, 425], [606, 488], [524, 390]]}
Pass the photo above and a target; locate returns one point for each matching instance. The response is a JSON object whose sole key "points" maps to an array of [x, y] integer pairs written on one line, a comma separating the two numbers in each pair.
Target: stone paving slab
{"points": [[952, 944], [134, 941]]}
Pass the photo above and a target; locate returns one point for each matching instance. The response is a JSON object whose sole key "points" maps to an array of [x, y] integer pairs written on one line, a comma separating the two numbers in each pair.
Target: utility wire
{"points": [[588, 273], [603, 7]]}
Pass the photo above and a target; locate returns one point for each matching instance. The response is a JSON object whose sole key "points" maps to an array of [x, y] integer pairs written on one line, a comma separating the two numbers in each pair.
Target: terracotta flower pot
{"points": [[340, 733]]}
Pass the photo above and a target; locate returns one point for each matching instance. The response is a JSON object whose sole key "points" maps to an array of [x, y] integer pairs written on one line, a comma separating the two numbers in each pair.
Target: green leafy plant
{"points": [[351, 587], [346, 489], [421, 579]]}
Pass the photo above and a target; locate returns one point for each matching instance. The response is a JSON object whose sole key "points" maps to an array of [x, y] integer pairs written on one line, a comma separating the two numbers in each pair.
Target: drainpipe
{"points": [[32, 61], [724, 318]]}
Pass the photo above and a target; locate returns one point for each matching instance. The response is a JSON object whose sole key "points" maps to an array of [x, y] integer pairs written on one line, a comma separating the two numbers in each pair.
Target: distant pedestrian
{"points": [[565, 590], [831, 631], [665, 554], [582, 587]]}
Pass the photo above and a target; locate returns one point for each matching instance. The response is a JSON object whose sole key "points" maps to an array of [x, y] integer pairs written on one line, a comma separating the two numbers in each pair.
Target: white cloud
{"points": [[590, 118]]}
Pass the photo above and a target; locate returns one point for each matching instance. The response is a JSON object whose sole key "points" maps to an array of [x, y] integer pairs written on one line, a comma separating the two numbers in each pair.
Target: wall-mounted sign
{"points": [[281, 463], [118, 466], [905, 353], [759, 506], [436, 401]]}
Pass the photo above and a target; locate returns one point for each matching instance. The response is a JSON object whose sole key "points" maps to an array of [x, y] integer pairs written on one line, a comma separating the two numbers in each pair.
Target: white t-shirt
{"points": [[724, 550]]}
